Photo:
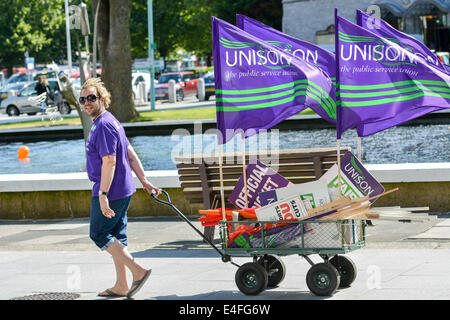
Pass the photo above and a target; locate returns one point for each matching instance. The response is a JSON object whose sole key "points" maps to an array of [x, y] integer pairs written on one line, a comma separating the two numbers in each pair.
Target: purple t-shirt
{"points": [[107, 137]]}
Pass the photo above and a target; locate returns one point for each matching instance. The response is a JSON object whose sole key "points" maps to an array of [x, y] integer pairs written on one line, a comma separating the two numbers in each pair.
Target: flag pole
{"points": [[359, 149], [338, 141], [244, 171], [338, 102], [222, 194]]}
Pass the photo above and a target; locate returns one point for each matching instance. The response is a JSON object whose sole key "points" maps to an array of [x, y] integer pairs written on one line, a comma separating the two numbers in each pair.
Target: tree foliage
{"points": [[38, 26], [187, 23], [34, 26]]}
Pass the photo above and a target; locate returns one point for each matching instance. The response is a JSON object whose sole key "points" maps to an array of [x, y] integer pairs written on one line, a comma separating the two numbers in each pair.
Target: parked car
{"points": [[11, 89], [209, 84], [185, 85], [23, 77], [24, 101]]}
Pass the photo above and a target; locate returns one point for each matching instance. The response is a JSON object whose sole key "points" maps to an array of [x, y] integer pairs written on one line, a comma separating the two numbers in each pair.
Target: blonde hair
{"points": [[101, 89], [43, 79]]}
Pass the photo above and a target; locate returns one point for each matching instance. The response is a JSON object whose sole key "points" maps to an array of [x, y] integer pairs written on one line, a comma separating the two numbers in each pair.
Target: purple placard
{"points": [[359, 176], [259, 178]]}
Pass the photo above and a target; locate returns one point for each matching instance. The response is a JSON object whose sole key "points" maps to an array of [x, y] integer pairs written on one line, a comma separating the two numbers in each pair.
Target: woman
{"points": [[41, 87]]}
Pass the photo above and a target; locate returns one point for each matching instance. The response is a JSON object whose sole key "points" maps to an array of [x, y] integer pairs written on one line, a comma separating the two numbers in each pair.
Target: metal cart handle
{"points": [[168, 202], [225, 257]]}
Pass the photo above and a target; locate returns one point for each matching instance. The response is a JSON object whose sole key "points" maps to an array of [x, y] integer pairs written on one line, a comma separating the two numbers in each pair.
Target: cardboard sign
{"points": [[316, 192], [259, 178], [291, 208], [356, 181]]}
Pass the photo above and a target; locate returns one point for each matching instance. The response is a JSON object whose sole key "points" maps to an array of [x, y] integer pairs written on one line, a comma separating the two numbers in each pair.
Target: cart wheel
{"points": [[251, 278], [276, 270], [346, 269], [323, 279]]}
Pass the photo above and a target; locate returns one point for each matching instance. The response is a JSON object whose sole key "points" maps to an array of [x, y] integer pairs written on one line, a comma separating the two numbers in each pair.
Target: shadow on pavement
{"points": [[237, 295], [177, 252]]}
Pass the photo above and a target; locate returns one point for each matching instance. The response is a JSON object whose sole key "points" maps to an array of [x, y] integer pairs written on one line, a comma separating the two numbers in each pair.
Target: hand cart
{"points": [[330, 239]]}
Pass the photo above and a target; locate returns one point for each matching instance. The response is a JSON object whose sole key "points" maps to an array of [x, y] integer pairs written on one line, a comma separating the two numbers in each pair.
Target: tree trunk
{"points": [[114, 44], [71, 96]]}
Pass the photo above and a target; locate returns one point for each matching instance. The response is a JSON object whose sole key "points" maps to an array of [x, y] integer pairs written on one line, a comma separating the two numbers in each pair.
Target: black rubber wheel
{"points": [[323, 279], [180, 95], [251, 278], [12, 111], [276, 270], [64, 108], [346, 269]]}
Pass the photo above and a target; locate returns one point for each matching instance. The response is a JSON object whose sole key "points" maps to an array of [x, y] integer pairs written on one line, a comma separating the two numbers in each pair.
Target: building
{"points": [[313, 20]]}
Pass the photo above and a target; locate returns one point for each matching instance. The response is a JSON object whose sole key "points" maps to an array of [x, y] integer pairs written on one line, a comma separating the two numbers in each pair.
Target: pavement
{"points": [[401, 261]]}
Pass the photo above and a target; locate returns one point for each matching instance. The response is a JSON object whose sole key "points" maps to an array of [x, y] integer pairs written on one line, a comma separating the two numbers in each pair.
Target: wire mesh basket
{"points": [[292, 237]]}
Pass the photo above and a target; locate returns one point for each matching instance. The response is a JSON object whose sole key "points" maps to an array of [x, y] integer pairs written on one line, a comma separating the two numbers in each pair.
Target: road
{"points": [[188, 102]]}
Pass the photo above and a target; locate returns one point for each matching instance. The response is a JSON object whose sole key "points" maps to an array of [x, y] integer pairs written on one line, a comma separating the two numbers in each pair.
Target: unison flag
{"points": [[383, 29], [319, 57], [259, 85], [381, 83]]}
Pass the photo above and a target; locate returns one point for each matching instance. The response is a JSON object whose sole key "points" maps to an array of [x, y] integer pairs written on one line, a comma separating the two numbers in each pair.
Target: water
{"points": [[404, 144]]}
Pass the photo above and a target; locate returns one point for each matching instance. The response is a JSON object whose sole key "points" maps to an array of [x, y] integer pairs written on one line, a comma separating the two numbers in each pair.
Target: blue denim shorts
{"points": [[104, 231]]}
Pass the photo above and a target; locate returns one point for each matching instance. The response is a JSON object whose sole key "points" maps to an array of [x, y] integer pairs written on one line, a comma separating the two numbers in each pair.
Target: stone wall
{"points": [[37, 205]]}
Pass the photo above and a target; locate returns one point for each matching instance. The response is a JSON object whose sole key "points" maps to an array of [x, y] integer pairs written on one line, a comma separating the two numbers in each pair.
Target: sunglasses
{"points": [[90, 98]]}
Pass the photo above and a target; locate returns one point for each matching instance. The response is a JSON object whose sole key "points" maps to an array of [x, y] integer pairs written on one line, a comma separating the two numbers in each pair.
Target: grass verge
{"points": [[158, 115]]}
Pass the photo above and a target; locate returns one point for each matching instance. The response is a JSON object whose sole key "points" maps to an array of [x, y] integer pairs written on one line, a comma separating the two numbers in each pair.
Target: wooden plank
{"points": [[205, 187], [287, 153], [328, 207], [407, 218], [317, 167], [398, 208], [346, 214], [270, 163]]}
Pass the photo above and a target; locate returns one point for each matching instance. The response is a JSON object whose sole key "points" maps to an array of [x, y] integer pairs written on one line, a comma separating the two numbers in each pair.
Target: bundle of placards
{"points": [[297, 201], [322, 226], [315, 202]]}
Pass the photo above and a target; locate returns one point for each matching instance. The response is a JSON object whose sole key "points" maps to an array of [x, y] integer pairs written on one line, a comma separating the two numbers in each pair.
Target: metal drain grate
{"points": [[50, 296]]}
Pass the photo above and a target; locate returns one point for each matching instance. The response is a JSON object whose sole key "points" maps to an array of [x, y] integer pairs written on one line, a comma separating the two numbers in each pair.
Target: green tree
{"points": [[269, 12], [33, 26], [115, 55], [167, 27], [187, 23], [196, 19]]}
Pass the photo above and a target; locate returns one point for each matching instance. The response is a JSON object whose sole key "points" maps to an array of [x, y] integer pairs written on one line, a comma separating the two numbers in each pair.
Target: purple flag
{"points": [[383, 84], [259, 85], [321, 58], [385, 30]]}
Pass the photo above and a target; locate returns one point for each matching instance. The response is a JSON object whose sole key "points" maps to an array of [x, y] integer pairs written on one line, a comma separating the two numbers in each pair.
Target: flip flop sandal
{"points": [[137, 285], [110, 294]]}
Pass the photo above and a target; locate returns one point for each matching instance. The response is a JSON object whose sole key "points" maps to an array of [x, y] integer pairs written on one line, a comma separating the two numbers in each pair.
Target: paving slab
{"points": [[399, 262]]}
